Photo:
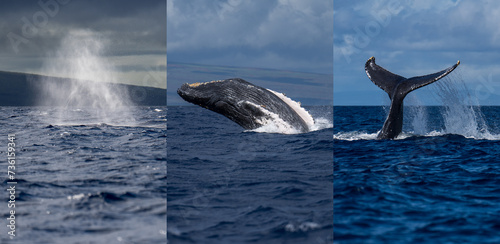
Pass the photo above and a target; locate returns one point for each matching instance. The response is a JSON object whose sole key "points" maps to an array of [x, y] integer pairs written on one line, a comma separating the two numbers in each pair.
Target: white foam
{"points": [[355, 135], [321, 123], [360, 135], [486, 135], [71, 124], [303, 227], [77, 197], [272, 123], [297, 107]]}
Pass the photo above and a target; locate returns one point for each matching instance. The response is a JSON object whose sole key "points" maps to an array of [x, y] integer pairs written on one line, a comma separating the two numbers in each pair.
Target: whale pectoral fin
{"points": [[254, 110], [383, 78], [221, 107], [420, 81], [227, 110], [220, 104]]}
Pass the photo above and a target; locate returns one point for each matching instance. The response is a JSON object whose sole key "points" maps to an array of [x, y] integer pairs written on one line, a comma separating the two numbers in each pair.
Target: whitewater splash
{"points": [[355, 136], [92, 88], [417, 115], [274, 124], [461, 115]]}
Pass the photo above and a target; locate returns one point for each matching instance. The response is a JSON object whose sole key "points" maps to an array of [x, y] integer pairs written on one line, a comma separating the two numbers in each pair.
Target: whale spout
{"points": [[397, 87]]}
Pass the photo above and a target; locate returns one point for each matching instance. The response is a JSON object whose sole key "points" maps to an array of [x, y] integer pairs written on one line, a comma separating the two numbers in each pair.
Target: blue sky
{"points": [[292, 35], [412, 38]]}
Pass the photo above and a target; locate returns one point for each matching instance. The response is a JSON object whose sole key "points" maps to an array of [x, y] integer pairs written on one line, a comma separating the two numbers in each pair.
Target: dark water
{"points": [[83, 181], [226, 185], [437, 183]]}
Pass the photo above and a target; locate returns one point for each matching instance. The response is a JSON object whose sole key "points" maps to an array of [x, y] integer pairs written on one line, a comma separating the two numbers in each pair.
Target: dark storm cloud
{"points": [[133, 35], [282, 34], [33, 27]]}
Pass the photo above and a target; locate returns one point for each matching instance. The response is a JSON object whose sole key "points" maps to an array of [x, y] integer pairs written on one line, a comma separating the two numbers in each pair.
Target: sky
{"points": [[131, 36], [413, 38], [292, 35]]}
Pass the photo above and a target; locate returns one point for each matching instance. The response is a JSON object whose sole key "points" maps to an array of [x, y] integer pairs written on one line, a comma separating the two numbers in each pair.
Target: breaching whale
{"points": [[397, 87], [248, 105]]}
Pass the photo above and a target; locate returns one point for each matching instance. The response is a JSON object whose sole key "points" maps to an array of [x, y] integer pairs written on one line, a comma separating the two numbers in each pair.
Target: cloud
{"points": [[415, 38], [212, 24], [240, 32], [32, 30], [39, 26]]}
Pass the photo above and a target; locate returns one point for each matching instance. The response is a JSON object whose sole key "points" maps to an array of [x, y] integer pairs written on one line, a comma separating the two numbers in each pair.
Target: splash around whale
{"points": [[397, 87], [248, 105]]}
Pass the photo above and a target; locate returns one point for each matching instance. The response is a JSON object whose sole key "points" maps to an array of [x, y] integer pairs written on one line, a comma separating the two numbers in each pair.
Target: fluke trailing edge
{"points": [[248, 105], [397, 87]]}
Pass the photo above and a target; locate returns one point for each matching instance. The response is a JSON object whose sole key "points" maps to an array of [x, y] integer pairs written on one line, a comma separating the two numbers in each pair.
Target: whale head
{"points": [[202, 94], [230, 97]]}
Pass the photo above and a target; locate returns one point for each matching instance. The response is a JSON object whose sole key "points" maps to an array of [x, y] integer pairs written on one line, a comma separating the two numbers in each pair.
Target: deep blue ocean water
{"points": [[86, 177], [228, 185], [437, 183]]}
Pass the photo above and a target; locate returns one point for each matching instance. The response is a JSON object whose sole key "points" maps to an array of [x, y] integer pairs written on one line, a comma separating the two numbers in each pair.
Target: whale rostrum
{"points": [[397, 87]]}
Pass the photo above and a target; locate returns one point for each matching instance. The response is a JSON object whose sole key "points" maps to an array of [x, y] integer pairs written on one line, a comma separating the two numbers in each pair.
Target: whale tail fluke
{"points": [[392, 83], [381, 77], [398, 87]]}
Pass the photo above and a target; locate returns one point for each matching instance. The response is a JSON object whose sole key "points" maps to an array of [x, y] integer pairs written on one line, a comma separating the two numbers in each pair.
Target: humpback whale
{"points": [[248, 105], [397, 87]]}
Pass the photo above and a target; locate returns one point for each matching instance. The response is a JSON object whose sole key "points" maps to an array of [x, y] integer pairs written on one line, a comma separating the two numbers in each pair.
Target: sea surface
{"points": [[438, 182], [85, 176], [229, 185]]}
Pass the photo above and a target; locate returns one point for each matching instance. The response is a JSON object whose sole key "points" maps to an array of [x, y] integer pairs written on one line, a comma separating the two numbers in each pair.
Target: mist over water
{"points": [[80, 57]]}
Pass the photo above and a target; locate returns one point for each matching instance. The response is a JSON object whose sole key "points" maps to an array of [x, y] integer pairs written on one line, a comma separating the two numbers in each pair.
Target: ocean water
{"points": [[438, 182], [228, 185], [84, 176]]}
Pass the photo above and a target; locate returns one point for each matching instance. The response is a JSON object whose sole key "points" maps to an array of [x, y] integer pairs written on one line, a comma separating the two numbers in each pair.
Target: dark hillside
{"points": [[21, 89]]}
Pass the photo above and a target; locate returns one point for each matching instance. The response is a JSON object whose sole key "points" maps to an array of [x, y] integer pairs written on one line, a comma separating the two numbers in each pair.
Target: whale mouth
{"points": [[182, 91]]}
